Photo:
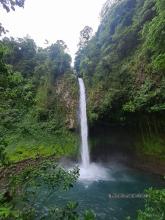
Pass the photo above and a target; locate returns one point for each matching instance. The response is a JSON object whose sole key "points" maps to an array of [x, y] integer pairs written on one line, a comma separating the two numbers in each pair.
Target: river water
{"points": [[102, 196]]}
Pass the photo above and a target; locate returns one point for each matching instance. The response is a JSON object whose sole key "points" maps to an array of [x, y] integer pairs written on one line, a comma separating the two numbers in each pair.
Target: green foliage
{"points": [[33, 114], [142, 97], [154, 205], [152, 146], [3, 156], [24, 188], [89, 215], [127, 55], [41, 143], [3, 69], [158, 63], [123, 67]]}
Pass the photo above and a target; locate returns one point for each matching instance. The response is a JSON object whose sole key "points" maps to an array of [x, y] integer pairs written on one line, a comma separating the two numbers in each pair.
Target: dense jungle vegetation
{"points": [[32, 107], [124, 66]]}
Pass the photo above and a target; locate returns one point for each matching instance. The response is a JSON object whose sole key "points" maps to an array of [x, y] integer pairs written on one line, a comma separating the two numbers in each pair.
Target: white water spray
{"points": [[88, 171], [84, 126]]}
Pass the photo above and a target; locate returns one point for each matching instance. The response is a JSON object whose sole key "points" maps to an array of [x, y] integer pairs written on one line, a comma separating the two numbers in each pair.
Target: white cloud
{"points": [[53, 20]]}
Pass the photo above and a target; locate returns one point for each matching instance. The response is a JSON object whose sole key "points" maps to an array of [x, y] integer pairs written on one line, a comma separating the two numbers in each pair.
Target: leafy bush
{"points": [[20, 201], [154, 206]]}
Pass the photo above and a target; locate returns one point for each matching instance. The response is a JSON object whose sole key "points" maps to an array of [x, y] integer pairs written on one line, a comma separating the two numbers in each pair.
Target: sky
{"points": [[53, 20]]}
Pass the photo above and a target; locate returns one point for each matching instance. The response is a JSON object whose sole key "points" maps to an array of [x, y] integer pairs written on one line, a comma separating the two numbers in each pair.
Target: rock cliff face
{"points": [[67, 92]]}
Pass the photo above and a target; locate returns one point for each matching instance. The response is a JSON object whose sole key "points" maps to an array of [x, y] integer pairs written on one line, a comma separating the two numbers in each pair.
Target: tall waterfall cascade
{"points": [[84, 126], [88, 171]]}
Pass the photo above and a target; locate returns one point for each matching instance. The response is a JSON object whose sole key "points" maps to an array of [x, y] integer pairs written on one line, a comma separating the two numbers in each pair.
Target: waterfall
{"points": [[88, 171], [84, 126]]}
